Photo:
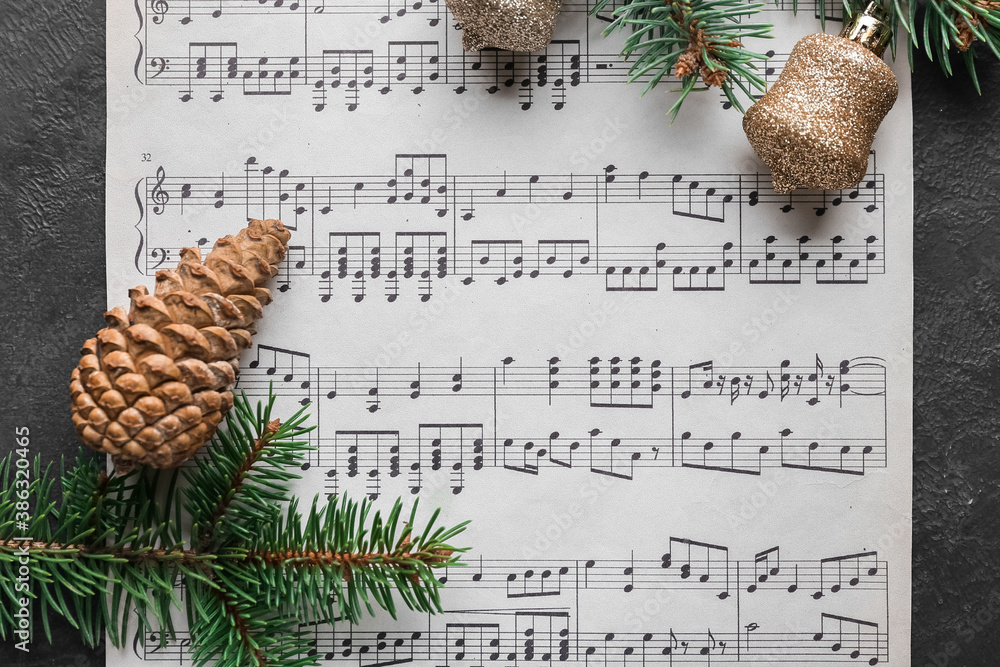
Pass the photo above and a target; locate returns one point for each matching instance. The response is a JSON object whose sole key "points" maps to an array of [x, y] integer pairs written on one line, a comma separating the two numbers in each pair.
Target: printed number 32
{"points": [[146, 157]]}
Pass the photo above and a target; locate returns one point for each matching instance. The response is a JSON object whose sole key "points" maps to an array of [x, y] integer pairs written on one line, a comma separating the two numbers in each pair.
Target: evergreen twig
{"points": [[693, 39], [948, 26], [253, 568]]}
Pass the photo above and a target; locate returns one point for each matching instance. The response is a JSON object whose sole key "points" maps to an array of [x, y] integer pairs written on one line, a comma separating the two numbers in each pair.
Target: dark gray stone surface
{"points": [[956, 477], [52, 110]]}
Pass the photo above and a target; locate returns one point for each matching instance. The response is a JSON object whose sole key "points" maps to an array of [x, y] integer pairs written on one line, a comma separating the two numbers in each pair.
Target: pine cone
{"points": [[687, 64], [152, 387], [713, 77]]}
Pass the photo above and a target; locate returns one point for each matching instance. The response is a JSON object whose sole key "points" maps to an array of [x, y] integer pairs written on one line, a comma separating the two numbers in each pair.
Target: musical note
{"points": [[450, 446], [854, 636], [532, 583], [764, 567], [609, 389], [629, 573], [424, 255], [503, 259], [545, 633], [699, 201], [696, 560], [366, 451], [412, 63], [211, 64], [853, 565], [698, 374], [295, 260], [472, 642], [421, 179], [561, 257], [281, 363], [354, 255]]}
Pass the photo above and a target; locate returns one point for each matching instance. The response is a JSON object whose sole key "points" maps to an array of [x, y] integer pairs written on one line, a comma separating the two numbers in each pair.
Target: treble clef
{"points": [[159, 196], [159, 7]]}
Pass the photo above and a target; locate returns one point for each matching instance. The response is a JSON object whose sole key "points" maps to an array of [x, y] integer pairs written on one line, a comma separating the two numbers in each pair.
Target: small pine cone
{"points": [[152, 387], [713, 77], [965, 35], [687, 64]]}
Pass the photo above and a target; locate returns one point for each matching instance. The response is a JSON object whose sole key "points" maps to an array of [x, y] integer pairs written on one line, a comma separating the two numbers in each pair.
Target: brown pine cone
{"points": [[152, 387]]}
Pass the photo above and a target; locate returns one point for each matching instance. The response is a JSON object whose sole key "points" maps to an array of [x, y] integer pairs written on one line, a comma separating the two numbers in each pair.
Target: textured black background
{"points": [[52, 120]]}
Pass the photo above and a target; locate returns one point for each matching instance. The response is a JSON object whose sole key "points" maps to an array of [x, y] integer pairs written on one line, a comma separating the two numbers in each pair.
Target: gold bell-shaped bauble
{"points": [[512, 25], [815, 126]]}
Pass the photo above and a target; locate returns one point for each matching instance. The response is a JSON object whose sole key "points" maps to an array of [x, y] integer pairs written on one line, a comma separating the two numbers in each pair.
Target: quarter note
{"points": [[415, 385], [629, 573], [373, 401], [795, 585]]}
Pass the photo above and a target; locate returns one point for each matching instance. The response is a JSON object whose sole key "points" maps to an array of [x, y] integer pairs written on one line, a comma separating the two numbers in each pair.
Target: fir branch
{"points": [[694, 39], [229, 632], [237, 486], [355, 566], [247, 644], [948, 26], [254, 571], [236, 482]]}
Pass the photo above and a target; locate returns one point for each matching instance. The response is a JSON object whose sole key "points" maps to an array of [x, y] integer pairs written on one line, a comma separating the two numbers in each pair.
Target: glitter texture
{"points": [[513, 25], [815, 126]]}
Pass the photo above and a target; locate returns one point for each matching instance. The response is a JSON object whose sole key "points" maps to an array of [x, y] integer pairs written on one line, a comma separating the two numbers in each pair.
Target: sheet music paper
{"points": [[675, 404]]}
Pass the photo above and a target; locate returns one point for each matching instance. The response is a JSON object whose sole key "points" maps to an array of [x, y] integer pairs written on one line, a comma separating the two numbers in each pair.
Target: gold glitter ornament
{"points": [[815, 126], [512, 25]]}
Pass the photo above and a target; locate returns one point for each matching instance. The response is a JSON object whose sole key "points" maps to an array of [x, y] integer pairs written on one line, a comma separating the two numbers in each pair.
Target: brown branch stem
{"points": [[240, 625], [691, 62], [100, 492], [273, 558], [348, 560], [186, 556], [238, 479]]}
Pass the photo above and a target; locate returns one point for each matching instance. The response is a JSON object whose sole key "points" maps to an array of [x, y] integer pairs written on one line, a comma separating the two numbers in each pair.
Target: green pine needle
{"points": [[253, 568], [691, 39]]}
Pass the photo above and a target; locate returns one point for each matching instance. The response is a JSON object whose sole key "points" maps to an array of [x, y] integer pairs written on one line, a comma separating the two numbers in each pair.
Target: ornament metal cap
{"points": [[869, 28]]}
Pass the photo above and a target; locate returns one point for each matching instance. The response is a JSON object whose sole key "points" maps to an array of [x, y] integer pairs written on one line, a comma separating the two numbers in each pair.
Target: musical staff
{"points": [[858, 379], [719, 192], [604, 387], [406, 67], [196, 10], [689, 565], [504, 646], [615, 457], [423, 258], [527, 616]]}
